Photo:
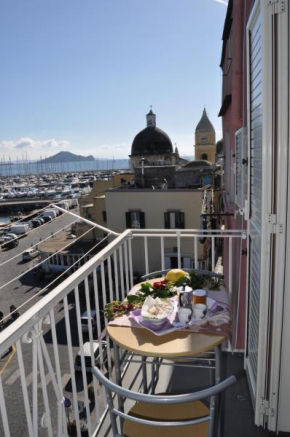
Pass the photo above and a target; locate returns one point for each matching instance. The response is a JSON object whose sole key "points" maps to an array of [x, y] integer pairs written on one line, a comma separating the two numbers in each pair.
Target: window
{"points": [[204, 156], [174, 220], [135, 220], [104, 213]]}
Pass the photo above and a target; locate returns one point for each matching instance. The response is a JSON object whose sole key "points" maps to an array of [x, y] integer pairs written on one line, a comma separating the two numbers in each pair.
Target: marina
{"points": [[50, 186]]}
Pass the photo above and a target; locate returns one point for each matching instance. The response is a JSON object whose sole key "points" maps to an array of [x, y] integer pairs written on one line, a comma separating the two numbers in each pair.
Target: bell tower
{"points": [[205, 143]]}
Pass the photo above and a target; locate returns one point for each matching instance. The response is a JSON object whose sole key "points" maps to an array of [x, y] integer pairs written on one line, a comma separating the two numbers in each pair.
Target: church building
{"points": [[205, 143], [152, 158]]}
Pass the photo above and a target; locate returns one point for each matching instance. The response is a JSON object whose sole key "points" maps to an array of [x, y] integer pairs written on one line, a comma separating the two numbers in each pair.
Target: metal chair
{"points": [[178, 413], [159, 273]]}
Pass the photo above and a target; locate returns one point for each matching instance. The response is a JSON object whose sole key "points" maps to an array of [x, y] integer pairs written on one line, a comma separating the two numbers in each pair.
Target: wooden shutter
{"points": [[166, 220], [142, 220], [128, 220], [180, 220]]}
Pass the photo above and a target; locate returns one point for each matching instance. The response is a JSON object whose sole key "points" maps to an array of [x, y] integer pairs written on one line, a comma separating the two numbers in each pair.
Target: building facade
{"points": [[158, 209], [256, 119]]}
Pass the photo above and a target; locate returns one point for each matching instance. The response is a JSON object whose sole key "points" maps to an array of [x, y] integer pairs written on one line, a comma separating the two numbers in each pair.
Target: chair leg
{"points": [[144, 375], [218, 402], [118, 374]]}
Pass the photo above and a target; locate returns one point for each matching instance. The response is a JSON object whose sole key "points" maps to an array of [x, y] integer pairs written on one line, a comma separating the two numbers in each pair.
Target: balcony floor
{"points": [[239, 415]]}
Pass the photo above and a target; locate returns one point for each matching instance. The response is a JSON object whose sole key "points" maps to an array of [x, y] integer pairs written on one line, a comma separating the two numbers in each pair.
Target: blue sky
{"points": [[80, 75]]}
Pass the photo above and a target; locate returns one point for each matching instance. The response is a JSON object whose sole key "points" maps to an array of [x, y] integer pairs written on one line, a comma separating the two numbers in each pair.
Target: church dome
{"points": [[151, 140], [204, 124]]}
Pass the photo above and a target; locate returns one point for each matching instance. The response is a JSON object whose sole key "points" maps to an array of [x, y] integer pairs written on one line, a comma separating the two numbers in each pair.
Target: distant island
{"points": [[65, 157]]}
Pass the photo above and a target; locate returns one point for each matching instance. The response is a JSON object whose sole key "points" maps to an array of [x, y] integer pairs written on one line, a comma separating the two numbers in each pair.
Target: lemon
{"points": [[175, 274]]}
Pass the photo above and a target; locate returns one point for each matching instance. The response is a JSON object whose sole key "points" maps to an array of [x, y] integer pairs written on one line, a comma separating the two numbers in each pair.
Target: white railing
{"points": [[45, 340]]}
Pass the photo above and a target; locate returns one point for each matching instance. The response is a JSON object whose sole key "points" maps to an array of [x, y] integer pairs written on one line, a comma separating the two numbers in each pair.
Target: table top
{"points": [[175, 344]]}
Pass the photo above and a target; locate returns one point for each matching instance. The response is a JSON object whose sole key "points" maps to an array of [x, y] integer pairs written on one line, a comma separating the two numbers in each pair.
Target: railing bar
{"points": [[34, 387], [130, 262], [184, 231], [117, 291], [71, 365], [83, 364], [24, 388], [126, 268], [104, 288], [121, 272], [4, 411], [58, 392], [146, 255], [44, 389], [178, 251], [162, 253], [88, 303], [96, 292], [196, 263], [58, 373], [230, 266], [97, 302], [106, 320], [188, 235], [212, 253], [110, 278]]}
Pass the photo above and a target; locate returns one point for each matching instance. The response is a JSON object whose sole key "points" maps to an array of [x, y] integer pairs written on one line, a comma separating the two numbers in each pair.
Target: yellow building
{"points": [[93, 207], [205, 143]]}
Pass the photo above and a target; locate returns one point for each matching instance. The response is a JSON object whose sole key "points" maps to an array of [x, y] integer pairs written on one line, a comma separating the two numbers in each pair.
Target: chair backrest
{"points": [[198, 272], [124, 393]]}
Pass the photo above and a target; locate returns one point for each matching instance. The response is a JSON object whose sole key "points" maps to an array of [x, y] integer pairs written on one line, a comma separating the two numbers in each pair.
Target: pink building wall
{"points": [[234, 113]]}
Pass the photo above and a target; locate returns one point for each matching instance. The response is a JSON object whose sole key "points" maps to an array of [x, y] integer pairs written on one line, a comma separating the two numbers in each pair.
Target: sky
{"points": [[80, 75]]}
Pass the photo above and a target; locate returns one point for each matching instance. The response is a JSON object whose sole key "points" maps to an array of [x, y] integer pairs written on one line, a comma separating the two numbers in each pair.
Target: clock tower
{"points": [[205, 144]]}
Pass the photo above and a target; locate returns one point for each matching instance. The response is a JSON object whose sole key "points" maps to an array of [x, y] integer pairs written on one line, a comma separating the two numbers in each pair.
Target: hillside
{"points": [[66, 157]]}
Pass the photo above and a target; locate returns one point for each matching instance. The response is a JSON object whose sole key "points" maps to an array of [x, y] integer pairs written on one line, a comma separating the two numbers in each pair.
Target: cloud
{"points": [[223, 2], [30, 144], [113, 146]]}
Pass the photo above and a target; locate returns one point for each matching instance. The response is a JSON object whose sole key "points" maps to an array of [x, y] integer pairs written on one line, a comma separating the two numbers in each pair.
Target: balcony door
{"points": [[267, 179]]}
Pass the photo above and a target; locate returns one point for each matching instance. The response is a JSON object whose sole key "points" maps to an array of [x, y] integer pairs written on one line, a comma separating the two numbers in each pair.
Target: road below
{"points": [[27, 286]]}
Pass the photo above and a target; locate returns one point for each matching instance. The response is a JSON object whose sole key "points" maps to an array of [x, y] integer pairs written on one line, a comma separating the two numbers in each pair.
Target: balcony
{"points": [[42, 344]]}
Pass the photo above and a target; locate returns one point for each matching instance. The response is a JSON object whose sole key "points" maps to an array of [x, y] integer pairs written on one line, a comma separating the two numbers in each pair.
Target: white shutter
{"points": [[239, 198], [255, 193], [241, 169]]}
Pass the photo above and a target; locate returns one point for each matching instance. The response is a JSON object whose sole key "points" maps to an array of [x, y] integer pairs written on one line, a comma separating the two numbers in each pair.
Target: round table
{"points": [[175, 344]]}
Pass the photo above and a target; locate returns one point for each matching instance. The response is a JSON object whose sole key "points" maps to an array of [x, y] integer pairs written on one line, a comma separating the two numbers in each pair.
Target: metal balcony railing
{"points": [[43, 343]]}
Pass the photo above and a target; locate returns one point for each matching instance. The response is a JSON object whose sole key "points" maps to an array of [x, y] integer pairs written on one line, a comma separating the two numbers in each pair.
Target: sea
{"points": [[34, 167]]}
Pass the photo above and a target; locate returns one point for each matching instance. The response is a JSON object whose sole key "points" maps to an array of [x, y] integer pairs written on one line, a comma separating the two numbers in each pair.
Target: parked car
{"points": [[46, 218], [36, 222], [85, 320], [87, 356], [29, 254], [11, 235], [8, 242]]}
